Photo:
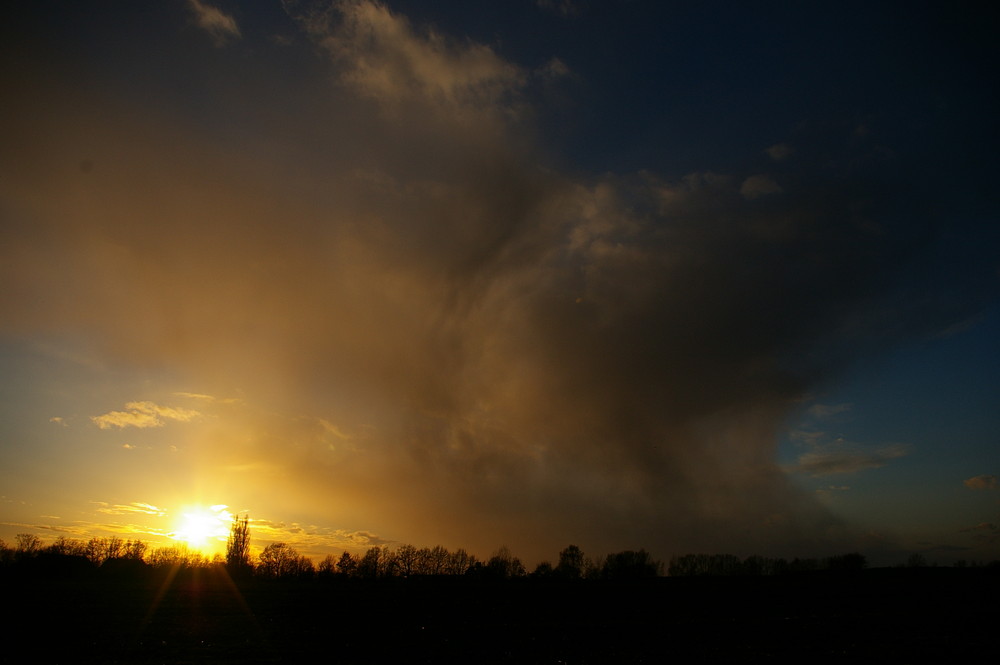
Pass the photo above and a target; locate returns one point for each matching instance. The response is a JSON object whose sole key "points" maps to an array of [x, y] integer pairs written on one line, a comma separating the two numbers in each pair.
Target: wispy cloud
{"points": [[143, 415], [209, 399], [313, 538], [984, 532], [221, 26], [983, 482], [757, 186], [385, 57], [780, 151], [824, 411], [136, 507], [841, 458], [562, 7], [808, 437]]}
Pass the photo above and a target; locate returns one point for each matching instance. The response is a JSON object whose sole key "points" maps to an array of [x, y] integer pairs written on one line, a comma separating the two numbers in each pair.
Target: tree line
{"points": [[280, 560], [95, 550], [727, 565]]}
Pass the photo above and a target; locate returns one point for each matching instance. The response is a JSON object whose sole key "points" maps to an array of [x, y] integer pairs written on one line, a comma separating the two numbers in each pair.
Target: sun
{"points": [[203, 528]]}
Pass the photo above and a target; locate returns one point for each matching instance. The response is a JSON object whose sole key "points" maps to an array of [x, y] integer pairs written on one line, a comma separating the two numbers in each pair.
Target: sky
{"points": [[690, 277]]}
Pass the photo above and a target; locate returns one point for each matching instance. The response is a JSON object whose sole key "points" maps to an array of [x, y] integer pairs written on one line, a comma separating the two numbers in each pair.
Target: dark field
{"points": [[201, 616]]}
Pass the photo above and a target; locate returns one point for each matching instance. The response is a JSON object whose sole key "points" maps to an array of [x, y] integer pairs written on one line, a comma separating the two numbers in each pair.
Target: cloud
{"points": [[199, 396], [562, 7], [221, 26], [780, 151], [333, 429], [840, 458], [143, 415], [984, 533], [313, 538], [757, 186], [810, 438], [383, 56], [553, 69], [210, 399], [122, 419], [136, 507], [983, 482], [823, 411]]}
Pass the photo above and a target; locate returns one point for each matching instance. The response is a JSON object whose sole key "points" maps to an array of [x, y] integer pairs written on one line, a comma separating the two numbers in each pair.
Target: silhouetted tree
{"points": [[437, 560], [328, 566], [279, 560], [68, 547], [422, 561], [94, 550], [6, 553], [28, 545], [134, 550], [459, 562], [389, 565], [571, 563], [754, 565], [372, 563], [174, 557], [592, 568], [630, 565], [543, 570], [238, 544], [503, 564], [853, 562], [347, 565], [113, 547], [303, 567], [406, 560]]}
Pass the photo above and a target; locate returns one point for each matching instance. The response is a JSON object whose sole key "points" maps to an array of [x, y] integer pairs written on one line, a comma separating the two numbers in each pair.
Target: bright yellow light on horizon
{"points": [[205, 529]]}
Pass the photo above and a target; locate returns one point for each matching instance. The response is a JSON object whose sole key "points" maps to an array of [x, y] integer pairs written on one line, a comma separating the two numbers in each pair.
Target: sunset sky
{"points": [[683, 276]]}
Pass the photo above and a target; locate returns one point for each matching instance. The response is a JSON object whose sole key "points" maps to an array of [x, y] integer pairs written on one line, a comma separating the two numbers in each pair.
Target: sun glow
{"points": [[203, 528]]}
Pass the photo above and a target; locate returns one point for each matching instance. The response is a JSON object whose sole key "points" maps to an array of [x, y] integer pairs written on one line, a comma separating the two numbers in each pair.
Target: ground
{"points": [[202, 616]]}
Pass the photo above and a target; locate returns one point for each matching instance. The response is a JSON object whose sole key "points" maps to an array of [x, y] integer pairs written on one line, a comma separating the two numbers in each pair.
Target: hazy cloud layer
{"points": [[473, 349]]}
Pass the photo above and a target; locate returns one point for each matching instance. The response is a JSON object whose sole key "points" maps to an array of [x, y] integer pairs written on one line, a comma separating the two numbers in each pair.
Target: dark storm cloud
{"points": [[499, 352]]}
